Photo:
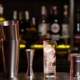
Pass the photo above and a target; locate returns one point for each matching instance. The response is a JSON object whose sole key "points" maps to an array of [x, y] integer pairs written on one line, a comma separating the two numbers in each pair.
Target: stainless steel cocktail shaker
{"points": [[10, 30]]}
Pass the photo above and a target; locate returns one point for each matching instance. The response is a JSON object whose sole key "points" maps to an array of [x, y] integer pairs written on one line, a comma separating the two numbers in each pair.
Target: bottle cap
{"points": [[65, 7]]}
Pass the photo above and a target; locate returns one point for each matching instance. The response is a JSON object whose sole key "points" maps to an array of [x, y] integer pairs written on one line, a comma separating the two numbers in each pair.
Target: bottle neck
{"points": [[27, 15], [55, 12], [14, 15], [51, 10], [33, 23], [43, 11], [20, 16]]}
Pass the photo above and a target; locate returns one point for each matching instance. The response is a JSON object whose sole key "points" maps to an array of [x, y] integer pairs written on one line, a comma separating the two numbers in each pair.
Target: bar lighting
{"points": [[40, 46], [22, 45], [2, 19]]}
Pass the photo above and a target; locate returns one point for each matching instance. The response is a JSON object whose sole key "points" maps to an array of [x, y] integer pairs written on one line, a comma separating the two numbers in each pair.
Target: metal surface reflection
{"points": [[75, 65], [30, 55], [40, 76], [45, 78], [16, 78], [10, 48]]}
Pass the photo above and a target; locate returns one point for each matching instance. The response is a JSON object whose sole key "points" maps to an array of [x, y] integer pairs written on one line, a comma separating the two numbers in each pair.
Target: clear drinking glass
{"points": [[30, 55], [49, 53]]}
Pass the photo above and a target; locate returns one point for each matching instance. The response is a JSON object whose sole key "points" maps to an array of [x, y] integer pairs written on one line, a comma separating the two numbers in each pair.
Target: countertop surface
{"points": [[39, 76]]}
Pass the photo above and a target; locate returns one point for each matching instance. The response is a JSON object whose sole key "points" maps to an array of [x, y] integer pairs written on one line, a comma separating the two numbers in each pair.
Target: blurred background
{"points": [[58, 20]]}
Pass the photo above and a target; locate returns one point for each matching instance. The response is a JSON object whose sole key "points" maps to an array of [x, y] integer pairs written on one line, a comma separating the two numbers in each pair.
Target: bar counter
{"points": [[39, 76]]}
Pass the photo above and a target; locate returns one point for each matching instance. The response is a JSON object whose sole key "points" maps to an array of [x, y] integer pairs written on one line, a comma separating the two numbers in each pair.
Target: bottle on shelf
{"points": [[27, 21], [31, 36], [32, 30], [55, 28], [21, 23], [32, 25], [50, 13], [1, 13], [1, 20], [65, 26], [43, 24], [77, 30], [49, 21], [15, 15], [21, 28]]}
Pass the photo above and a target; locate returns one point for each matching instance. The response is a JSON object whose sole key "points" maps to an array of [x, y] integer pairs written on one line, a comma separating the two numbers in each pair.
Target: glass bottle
{"points": [[43, 25], [15, 15], [21, 27], [1, 13], [65, 26], [27, 21], [77, 30], [21, 23], [55, 28]]}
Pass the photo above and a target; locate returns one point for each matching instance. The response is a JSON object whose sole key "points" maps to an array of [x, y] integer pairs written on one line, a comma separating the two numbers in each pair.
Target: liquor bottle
{"points": [[32, 25], [31, 36], [65, 26], [1, 13], [50, 13], [1, 20], [55, 28], [50, 18], [21, 24], [15, 15], [1, 34], [32, 30], [43, 25], [27, 21], [77, 30], [21, 28]]}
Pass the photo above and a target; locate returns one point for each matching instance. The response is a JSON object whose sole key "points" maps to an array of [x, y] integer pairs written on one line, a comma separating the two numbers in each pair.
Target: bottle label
{"points": [[65, 30], [43, 29], [55, 28], [55, 37], [77, 39]]}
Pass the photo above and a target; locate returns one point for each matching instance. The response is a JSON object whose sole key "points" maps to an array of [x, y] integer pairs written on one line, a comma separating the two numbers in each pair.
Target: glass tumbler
{"points": [[49, 55]]}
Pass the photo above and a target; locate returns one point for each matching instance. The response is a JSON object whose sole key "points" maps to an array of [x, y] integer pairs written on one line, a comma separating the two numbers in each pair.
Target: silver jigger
{"points": [[10, 32], [30, 55]]}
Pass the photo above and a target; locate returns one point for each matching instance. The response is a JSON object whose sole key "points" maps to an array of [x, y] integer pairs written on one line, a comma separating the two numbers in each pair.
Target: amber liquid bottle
{"points": [[31, 36], [32, 30]]}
